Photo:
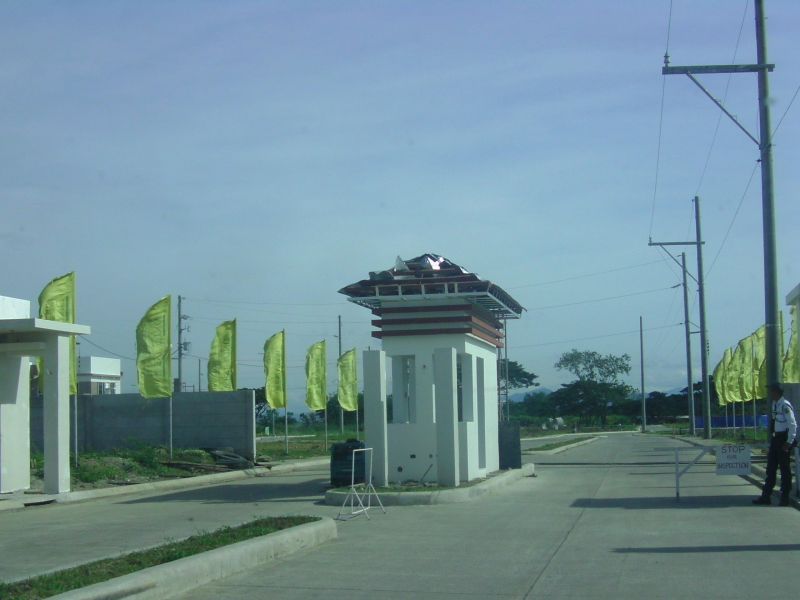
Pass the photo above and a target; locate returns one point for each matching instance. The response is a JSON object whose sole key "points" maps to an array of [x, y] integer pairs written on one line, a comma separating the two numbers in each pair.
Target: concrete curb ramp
{"points": [[450, 496], [564, 448], [183, 575], [167, 485]]}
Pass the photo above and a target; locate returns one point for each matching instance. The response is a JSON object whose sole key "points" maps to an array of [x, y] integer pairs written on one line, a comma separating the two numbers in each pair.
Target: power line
{"points": [[278, 322], [724, 98], [660, 121], [574, 277], [774, 131], [208, 300], [602, 299], [99, 347], [733, 220], [593, 337]]}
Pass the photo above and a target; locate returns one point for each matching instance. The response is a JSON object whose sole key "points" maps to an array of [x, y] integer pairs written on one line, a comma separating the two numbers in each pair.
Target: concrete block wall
{"points": [[199, 420]]}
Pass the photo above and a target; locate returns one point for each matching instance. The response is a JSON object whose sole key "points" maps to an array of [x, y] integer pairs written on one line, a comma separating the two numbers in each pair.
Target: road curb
{"points": [[183, 575], [452, 496], [158, 486]]}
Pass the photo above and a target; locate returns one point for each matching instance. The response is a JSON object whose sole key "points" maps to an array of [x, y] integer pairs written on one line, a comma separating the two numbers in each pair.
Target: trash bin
{"points": [[510, 449], [342, 463]]}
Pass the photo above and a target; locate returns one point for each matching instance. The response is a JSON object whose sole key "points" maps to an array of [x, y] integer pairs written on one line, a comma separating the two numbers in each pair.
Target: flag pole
{"points": [[170, 427], [285, 397], [325, 413]]}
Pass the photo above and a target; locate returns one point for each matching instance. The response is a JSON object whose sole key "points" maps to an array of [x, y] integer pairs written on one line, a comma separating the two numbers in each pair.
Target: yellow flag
{"points": [[759, 362], [719, 377], [348, 381], [154, 350], [57, 302], [791, 360], [733, 389], [745, 367], [275, 370], [317, 377], [222, 359]]}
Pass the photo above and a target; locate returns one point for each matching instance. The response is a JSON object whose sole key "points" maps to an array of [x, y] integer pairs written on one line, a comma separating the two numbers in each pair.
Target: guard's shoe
{"points": [[762, 500], [784, 501]]}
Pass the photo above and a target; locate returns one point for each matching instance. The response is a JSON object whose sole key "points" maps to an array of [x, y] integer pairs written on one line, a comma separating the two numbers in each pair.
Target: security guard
{"points": [[782, 440]]}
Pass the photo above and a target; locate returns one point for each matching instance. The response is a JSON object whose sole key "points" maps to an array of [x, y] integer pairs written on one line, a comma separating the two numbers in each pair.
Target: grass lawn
{"points": [[304, 447], [125, 466], [103, 570]]}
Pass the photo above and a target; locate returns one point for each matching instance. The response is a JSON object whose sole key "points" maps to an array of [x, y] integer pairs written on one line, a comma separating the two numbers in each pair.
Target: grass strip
{"points": [[48, 585], [560, 444]]}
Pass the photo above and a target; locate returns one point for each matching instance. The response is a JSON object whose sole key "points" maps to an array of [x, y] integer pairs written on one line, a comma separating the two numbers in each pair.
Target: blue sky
{"points": [[255, 157]]}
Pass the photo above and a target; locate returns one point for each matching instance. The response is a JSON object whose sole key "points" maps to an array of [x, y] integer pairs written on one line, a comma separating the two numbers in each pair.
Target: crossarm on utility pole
{"points": [[722, 108], [677, 262], [715, 69]]}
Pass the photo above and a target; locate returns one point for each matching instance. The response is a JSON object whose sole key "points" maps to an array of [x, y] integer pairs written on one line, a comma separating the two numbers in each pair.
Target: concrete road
{"points": [[42, 539], [600, 521]]}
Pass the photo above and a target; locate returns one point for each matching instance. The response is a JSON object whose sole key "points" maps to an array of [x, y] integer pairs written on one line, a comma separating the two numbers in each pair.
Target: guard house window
{"points": [[460, 387], [404, 398]]}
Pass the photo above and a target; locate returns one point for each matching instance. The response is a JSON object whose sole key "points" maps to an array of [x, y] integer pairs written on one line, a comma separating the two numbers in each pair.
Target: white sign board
{"points": [[733, 459]]}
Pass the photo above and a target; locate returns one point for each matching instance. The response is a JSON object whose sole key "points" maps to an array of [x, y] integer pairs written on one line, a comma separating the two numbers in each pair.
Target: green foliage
{"points": [[590, 401], [518, 376], [137, 463], [588, 365], [103, 570]]}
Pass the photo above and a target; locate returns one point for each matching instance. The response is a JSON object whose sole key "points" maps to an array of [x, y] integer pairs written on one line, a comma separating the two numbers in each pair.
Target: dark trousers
{"points": [[778, 457]]}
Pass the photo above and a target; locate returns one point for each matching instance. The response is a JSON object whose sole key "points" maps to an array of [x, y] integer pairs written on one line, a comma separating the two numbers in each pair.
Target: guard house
{"points": [[22, 337], [440, 328]]}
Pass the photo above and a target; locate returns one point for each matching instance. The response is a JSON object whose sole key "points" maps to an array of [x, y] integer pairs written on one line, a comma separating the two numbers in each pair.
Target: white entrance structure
{"points": [[440, 327], [22, 337]]}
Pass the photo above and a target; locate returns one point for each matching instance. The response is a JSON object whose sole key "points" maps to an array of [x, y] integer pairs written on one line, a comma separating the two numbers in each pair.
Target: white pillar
{"points": [[15, 442], [56, 415], [447, 455], [375, 414]]}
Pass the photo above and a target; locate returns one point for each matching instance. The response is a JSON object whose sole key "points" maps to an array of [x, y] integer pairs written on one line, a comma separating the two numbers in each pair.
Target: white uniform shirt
{"points": [[783, 417]]}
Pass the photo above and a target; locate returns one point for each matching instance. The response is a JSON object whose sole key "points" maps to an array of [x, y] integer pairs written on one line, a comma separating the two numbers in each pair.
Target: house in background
{"points": [[98, 376]]}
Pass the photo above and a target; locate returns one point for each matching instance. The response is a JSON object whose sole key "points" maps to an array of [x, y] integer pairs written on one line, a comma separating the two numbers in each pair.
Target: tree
{"points": [[597, 389], [518, 376], [588, 365]]}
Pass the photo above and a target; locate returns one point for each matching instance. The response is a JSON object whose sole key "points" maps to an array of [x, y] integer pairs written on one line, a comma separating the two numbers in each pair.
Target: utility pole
{"points": [[698, 243], [701, 290], [689, 384], [773, 355], [641, 360], [764, 143], [182, 346], [199, 376]]}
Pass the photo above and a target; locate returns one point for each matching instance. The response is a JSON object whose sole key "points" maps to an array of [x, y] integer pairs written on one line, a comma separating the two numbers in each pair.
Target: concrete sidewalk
{"points": [[600, 521]]}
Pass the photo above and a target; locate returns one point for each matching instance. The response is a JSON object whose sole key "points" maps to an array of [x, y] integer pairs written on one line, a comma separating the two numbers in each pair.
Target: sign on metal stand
{"points": [[733, 459], [360, 501]]}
